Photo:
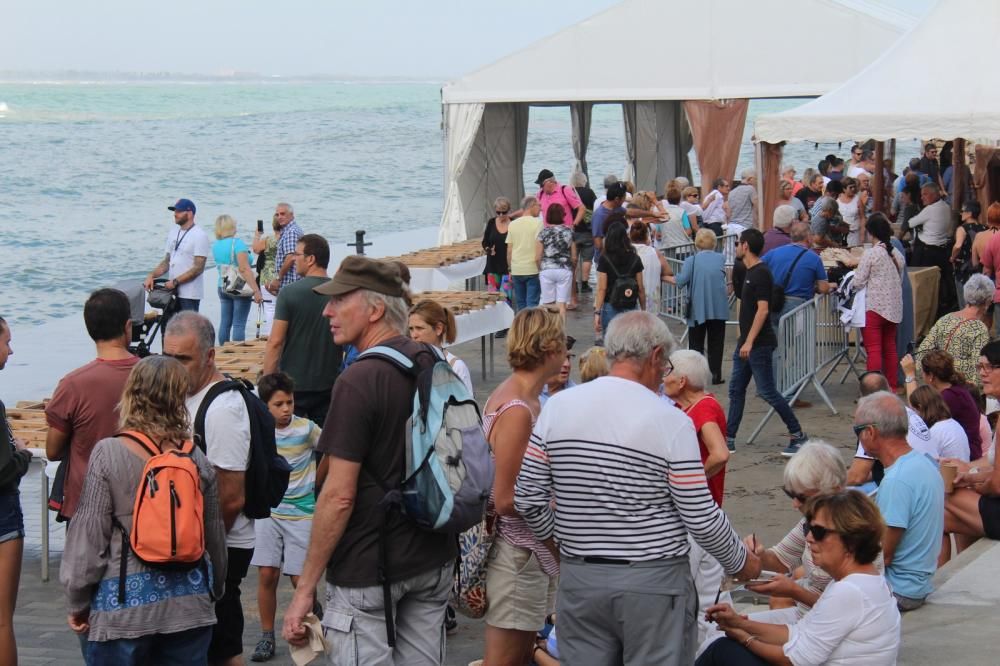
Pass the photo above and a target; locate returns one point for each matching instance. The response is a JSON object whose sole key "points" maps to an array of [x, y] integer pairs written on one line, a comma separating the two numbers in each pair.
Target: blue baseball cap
{"points": [[183, 206]]}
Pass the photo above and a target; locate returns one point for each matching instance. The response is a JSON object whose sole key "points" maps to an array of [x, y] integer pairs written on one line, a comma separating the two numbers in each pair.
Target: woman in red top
{"points": [[685, 384]]}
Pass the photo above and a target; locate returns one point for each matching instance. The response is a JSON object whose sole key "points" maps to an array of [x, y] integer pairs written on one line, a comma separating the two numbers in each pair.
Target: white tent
{"points": [[921, 87], [704, 50]]}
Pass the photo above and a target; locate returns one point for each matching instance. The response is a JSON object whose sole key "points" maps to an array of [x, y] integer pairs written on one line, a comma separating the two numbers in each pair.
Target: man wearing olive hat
{"points": [[187, 248], [364, 439]]}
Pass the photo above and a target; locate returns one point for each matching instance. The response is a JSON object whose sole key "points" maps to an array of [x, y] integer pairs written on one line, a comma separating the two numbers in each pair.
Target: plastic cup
{"points": [[948, 473]]}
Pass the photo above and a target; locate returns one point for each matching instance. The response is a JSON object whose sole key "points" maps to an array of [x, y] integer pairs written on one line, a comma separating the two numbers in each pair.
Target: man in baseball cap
{"points": [[187, 249], [366, 427]]}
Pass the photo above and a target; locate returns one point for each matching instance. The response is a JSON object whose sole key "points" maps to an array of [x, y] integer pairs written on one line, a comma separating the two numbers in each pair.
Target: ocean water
{"points": [[88, 169]]}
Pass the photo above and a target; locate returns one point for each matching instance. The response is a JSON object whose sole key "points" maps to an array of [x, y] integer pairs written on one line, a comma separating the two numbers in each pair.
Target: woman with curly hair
{"points": [[166, 615]]}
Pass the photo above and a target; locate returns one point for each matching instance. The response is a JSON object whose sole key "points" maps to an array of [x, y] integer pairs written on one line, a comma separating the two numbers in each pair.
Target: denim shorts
{"points": [[11, 518]]}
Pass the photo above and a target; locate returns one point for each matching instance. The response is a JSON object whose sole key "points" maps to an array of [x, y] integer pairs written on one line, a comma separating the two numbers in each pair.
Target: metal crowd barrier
{"points": [[674, 299], [810, 338]]}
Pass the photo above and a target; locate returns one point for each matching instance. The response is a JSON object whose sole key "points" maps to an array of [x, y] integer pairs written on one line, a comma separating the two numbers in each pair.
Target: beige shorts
{"points": [[520, 594]]}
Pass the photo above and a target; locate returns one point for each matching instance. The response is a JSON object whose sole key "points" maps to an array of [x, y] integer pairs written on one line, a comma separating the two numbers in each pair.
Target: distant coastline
{"points": [[87, 76]]}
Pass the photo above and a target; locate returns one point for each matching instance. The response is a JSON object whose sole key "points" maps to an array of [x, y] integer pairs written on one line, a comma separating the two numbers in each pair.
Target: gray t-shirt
{"points": [[741, 205]]}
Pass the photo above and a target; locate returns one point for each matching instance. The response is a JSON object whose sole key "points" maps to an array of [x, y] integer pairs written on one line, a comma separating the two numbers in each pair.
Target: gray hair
{"points": [[610, 180], [784, 215], [286, 206], [501, 201], [634, 335], [692, 366], [829, 206], [747, 173], [397, 310], [682, 182], [192, 323], [884, 411], [785, 168], [808, 174], [799, 231], [932, 188], [816, 466], [528, 201], [978, 290], [578, 179]]}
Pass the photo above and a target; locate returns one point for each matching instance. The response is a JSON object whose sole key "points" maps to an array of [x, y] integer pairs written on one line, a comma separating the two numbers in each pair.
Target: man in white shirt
{"points": [[190, 338], [187, 249], [932, 247]]}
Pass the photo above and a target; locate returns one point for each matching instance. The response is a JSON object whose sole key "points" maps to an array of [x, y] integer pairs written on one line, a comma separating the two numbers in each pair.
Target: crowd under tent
{"points": [[920, 88], [688, 83]]}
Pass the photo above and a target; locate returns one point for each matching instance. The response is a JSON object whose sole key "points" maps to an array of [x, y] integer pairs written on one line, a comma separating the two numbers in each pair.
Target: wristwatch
{"points": [[909, 380]]}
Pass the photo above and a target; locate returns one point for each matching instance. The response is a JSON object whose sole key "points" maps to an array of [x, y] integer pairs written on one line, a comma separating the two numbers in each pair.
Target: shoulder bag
{"points": [[232, 282]]}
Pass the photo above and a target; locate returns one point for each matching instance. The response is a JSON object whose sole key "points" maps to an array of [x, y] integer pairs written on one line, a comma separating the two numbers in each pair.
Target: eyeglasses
{"points": [[986, 368], [818, 531], [860, 428], [795, 496], [668, 369], [502, 212]]}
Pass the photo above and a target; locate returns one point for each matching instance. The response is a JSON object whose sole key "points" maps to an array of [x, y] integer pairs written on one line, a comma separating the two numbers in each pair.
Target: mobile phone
{"points": [[260, 226]]}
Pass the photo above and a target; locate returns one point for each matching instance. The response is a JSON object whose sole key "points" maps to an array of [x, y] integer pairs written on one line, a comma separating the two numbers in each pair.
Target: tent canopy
{"points": [[915, 90], [709, 49]]}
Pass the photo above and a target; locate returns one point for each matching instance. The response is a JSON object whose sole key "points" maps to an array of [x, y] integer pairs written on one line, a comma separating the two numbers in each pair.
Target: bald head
{"points": [[873, 382]]}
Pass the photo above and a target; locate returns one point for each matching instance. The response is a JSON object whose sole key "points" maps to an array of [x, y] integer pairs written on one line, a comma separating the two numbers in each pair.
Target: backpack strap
{"points": [[142, 440], [199, 420]]}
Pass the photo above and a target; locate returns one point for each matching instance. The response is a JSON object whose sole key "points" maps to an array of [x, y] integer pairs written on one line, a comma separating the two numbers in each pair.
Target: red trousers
{"points": [[879, 335]]}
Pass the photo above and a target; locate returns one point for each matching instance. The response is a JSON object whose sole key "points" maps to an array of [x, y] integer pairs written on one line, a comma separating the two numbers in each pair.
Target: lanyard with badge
{"points": [[180, 238]]}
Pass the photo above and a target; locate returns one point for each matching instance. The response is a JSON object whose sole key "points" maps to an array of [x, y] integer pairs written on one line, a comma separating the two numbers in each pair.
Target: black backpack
{"points": [[625, 293], [267, 472]]}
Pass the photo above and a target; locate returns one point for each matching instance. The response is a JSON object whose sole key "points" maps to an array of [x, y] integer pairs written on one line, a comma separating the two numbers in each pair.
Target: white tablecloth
{"points": [[477, 323], [441, 278]]}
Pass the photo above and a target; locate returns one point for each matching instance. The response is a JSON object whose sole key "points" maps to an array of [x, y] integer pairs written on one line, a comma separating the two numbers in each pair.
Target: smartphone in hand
{"points": [[260, 226]]}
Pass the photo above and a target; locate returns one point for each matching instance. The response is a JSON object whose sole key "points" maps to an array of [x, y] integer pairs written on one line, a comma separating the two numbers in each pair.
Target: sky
{"points": [[432, 39]]}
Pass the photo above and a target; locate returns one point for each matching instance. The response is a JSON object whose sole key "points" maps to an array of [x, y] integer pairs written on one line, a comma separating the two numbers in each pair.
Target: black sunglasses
{"points": [[795, 496], [860, 428], [818, 531], [502, 212]]}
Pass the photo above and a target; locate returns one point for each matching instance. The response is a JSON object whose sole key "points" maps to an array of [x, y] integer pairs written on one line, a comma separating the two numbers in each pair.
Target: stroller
{"points": [[145, 325]]}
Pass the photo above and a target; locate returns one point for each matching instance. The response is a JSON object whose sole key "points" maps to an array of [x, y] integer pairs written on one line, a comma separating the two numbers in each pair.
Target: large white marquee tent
{"points": [[709, 58]]}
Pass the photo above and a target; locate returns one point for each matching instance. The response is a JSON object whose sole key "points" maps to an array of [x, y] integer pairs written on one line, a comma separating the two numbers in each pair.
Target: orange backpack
{"points": [[168, 526]]}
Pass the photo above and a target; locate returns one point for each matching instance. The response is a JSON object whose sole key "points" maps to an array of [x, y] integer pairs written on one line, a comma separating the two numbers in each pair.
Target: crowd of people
{"points": [[607, 535]]}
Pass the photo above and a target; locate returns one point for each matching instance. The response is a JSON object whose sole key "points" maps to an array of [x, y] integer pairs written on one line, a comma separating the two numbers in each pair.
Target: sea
{"points": [[89, 167]]}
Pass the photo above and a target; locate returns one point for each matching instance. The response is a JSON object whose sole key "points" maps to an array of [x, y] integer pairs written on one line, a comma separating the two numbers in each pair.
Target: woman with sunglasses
{"points": [[851, 204], [972, 511], [855, 620], [497, 271]]}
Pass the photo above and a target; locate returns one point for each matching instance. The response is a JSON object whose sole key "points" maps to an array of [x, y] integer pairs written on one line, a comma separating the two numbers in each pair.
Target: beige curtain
{"points": [[717, 130], [768, 180]]}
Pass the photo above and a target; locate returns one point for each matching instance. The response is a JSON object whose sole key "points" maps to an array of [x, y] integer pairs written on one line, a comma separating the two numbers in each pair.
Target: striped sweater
{"points": [[627, 478]]}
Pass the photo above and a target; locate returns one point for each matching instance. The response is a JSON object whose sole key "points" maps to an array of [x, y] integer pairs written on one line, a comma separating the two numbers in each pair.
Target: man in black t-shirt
{"points": [[811, 192], [756, 345]]}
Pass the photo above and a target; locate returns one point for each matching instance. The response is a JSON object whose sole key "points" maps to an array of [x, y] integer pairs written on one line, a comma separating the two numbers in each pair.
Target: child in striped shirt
{"points": [[282, 539]]}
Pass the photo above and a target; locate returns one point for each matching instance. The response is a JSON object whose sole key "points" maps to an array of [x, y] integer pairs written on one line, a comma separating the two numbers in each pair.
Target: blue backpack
{"points": [[449, 469]]}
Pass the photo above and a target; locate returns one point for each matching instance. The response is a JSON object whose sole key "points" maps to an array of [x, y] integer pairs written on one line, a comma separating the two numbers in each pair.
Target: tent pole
{"points": [[878, 187]]}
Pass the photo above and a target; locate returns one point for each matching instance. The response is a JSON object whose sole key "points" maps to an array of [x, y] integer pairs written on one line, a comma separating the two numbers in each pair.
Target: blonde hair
{"points": [[705, 239], [225, 227], [534, 334], [434, 313], [689, 190], [640, 200], [593, 364], [153, 401]]}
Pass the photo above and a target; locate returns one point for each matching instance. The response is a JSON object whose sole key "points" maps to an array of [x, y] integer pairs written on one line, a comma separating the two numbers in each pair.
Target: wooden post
{"points": [[878, 185]]}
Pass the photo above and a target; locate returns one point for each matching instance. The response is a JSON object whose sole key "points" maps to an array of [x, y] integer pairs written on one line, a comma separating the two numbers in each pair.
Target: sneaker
{"points": [[794, 446], [731, 444], [264, 650]]}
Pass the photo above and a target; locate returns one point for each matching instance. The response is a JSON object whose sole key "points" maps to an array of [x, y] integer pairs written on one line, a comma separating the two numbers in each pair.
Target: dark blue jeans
{"points": [[188, 304], [757, 367], [184, 648], [234, 311], [527, 291], [609, 312]]}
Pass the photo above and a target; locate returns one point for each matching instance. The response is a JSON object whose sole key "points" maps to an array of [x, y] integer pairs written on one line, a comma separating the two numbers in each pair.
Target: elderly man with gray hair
{"points": [[387, 578], [931, 246], [910, 497], [777, 235], [743, 201], [625, 587]]}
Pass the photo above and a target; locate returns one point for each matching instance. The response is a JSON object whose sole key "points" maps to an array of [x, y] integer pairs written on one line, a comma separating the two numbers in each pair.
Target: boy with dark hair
{"points": [[756, 345], [281, 541]]}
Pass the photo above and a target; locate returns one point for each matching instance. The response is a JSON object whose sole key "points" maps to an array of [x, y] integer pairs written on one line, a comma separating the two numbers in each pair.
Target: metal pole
{"points": [[878, 187], [359, 243]]}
